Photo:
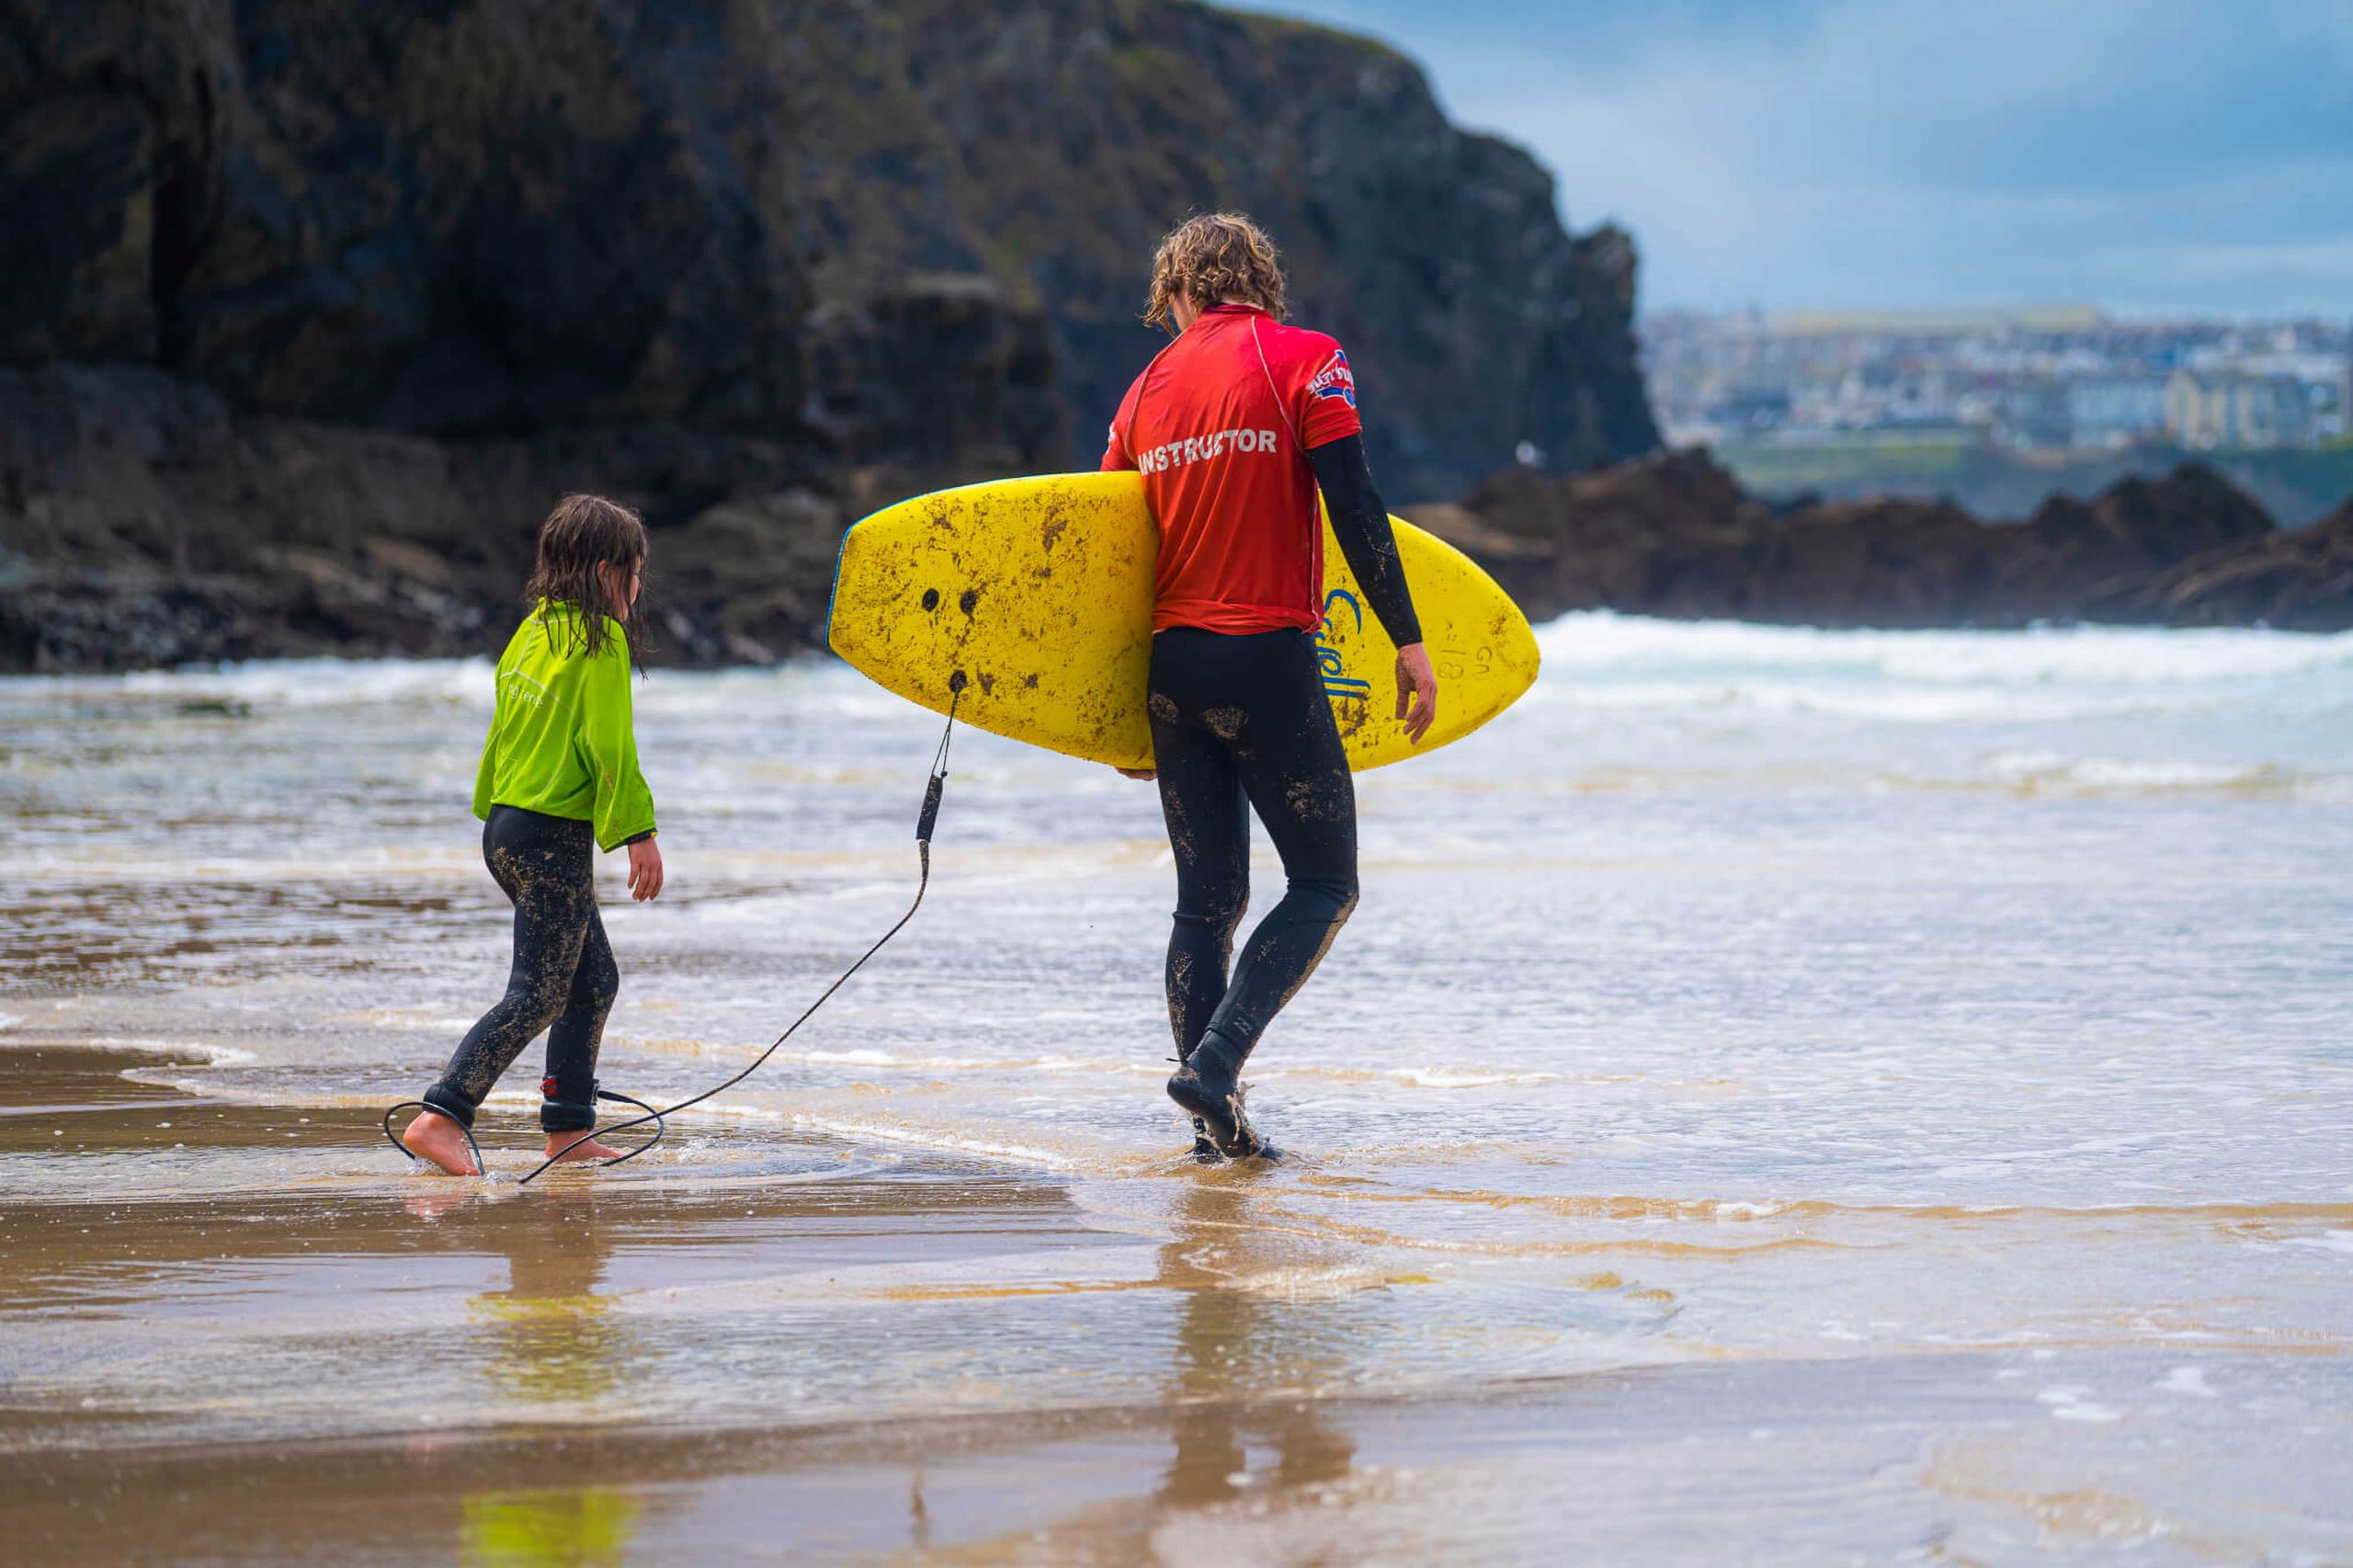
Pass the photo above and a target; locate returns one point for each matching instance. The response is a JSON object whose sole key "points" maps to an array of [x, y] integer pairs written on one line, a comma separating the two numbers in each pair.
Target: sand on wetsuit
{"points": [[559, 780], [1239, 717]]}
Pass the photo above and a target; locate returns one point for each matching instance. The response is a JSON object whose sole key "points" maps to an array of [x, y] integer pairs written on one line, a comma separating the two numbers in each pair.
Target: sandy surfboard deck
{"points": [[1037, 592]]}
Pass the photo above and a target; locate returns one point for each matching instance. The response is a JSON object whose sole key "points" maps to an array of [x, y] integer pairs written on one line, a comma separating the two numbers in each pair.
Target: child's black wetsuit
{"points": [[563, 979]]}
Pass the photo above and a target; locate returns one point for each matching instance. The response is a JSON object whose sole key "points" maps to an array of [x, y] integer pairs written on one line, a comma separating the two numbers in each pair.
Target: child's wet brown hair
{"points": [[581, 534]]}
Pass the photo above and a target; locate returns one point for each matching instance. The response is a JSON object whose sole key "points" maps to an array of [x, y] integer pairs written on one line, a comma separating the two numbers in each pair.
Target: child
{"points": [[559, 775]]}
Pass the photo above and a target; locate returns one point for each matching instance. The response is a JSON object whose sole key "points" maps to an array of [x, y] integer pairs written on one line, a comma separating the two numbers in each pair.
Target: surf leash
{"points": [[928, 819], [425, 1109], [482, 1169]]}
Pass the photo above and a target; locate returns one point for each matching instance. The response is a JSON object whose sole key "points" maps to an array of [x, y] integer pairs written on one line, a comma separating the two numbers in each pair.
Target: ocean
{"points": [[1846, 1093]]}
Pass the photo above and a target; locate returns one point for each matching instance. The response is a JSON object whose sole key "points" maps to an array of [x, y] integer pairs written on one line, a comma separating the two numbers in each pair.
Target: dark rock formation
{"points": [[313, 308], [399, 273], [2298, 580], [1057, 139], [496, 215], [459, 219], [146, 523], [1674, 535]]}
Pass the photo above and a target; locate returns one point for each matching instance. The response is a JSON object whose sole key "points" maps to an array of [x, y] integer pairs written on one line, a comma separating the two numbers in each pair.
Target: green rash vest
{"points": [[559, 743]]}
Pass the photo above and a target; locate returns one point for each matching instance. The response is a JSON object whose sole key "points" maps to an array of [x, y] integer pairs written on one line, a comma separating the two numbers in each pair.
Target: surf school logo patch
{"points": [[1335, 380]]}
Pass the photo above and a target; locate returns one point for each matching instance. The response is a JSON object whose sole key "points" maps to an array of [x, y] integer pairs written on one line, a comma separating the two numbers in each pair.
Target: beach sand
{"points": [[359, 1363]]}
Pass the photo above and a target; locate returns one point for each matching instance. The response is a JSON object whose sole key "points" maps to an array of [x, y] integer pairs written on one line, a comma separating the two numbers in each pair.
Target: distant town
{"points": [[1995, 410], [2060, 379]]}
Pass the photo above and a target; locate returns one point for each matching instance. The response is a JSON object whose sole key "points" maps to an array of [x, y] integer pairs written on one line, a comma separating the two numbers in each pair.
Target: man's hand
{"points": [[1417, 691], [1142, 775], [645, 870]]}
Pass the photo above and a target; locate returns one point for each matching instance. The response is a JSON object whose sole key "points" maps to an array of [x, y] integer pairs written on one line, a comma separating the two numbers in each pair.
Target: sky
{"points": [[2148, 156]]}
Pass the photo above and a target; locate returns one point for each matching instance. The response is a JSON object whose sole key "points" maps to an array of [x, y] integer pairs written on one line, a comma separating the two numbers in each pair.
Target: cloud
{"points": [[2147, 153]]}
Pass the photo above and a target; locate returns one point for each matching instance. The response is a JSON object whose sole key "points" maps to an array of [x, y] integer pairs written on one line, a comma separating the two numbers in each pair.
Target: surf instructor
{"points": [[1235, 427]]}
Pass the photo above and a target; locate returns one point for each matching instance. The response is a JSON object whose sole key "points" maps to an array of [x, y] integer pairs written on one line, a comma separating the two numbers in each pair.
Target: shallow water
{"points": [[1928, 1050]]}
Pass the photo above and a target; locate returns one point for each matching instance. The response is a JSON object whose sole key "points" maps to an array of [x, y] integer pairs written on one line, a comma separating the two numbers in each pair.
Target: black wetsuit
{"points": [[563, 979], [1242, 722]]}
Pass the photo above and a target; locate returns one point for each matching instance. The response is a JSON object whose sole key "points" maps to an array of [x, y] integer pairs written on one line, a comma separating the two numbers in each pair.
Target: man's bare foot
{"points": [[595, 1149], [435, 1137]]}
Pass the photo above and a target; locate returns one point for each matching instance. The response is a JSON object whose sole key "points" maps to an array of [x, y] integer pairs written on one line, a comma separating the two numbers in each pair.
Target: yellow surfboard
{"points": [[1027, 602]]}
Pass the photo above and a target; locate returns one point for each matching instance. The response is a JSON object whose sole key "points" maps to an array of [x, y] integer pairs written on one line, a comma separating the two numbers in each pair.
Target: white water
{"points": [[1743, 994]]}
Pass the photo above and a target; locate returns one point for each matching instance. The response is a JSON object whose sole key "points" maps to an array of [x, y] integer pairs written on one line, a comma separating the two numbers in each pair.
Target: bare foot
{"points": [[595, 1149], [435, 1137]]}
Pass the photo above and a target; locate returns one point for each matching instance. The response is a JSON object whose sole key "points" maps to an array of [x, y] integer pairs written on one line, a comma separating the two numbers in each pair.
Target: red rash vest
{"points": [[1219, 424]]}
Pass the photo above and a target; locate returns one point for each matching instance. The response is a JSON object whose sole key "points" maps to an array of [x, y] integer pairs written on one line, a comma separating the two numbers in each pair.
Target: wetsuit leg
{"points": [[546, 866], [573, 1039], [1209, 832], [1295, 772], [1260, 700]]}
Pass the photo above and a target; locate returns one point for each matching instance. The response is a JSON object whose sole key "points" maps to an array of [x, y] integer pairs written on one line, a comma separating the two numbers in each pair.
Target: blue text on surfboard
{"points": [[1337, 682]]}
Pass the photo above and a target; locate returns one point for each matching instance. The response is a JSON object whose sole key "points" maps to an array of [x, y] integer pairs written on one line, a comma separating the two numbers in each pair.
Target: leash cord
{"points": [[480, 1169], [425, 1109], [924, 821]]}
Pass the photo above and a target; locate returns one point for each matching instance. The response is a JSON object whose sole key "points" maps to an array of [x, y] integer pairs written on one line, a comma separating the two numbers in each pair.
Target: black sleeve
{"points": [[1360, 523]]}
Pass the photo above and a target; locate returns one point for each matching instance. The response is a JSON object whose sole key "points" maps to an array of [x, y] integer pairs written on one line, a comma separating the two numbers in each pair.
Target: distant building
{"points": [[2206, 411], [2034, 414], [2047, 378], [2110, 411], [2074, 414]]}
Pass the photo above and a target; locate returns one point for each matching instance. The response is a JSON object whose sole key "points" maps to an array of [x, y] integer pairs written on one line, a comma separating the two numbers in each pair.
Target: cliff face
{"points": [[901, 230], [1674, 535], [308, 308], [475, 219], [1056, 142]]}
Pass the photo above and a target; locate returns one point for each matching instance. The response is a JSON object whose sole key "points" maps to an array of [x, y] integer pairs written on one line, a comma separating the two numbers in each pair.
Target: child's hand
{"points": [[645, 870]]}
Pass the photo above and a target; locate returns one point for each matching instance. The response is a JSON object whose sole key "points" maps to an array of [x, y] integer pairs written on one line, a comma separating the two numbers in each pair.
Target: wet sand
{"points": [[365, 1364]]}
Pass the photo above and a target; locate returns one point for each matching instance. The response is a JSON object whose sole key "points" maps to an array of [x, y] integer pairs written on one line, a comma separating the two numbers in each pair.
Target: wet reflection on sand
{"points": [[1230, 1339]]}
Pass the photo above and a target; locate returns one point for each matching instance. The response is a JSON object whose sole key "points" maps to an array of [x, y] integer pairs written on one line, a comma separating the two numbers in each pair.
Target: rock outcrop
{"points": [[2296, 579], [485, 218], [500, 216], [148, 522], [1675, 535], [312, 309], [1058, 141]]}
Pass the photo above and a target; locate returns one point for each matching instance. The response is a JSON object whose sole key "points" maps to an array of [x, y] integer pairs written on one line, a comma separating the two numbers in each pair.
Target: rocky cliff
{"points": [[1675, 535], [1058, 149], [309, 308]]}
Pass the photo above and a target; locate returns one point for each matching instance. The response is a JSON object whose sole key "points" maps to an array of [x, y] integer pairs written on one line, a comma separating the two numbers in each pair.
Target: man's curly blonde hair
{"points": [[1219, 256]]}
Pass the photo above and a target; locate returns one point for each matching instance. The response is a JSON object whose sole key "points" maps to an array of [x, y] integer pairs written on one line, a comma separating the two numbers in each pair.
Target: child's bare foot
{"points": [[595, 1149], [435, 1137]]}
